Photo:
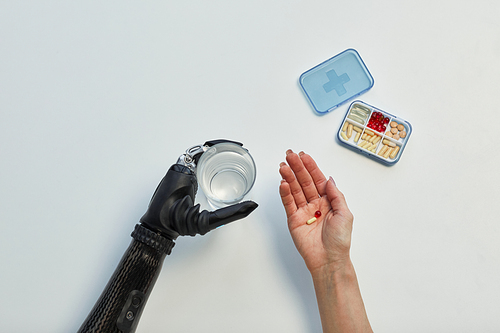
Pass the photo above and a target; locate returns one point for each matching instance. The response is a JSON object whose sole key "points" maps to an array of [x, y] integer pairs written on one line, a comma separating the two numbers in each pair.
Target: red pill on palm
{"points": [[317, 214]]}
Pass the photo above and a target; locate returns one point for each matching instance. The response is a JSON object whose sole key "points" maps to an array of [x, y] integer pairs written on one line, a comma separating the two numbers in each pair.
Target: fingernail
{"points": [[289, 151], [282, 164], [301, 153], [333, 181]]}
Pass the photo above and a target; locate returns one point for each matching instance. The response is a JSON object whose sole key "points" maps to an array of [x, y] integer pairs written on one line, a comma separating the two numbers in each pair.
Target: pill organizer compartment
{"points": [[375, 133]]}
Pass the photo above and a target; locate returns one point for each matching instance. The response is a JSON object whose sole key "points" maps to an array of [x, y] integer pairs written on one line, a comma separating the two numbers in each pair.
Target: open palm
{"points": [[305, 190]]}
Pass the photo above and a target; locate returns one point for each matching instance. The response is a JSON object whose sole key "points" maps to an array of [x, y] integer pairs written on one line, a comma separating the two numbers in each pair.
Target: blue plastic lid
{"points": [[336, 81]]}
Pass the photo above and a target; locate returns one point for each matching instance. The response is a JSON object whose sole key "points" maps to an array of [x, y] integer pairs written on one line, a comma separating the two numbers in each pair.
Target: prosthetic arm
{"points": [[171, 213]]}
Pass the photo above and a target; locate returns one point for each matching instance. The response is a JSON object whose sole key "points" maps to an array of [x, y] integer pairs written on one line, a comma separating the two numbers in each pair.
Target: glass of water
{"points": [[226, 173]]}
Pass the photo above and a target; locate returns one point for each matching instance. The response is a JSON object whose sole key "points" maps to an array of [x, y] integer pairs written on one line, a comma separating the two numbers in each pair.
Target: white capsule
{"points": [[311, 220]]}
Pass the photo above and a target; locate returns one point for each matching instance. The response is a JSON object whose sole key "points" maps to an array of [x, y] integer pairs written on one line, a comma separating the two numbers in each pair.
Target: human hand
{"points": [[304, 190]]}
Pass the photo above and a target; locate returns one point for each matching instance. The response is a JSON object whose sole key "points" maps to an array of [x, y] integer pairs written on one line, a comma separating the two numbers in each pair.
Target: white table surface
{"points": [[98, 99]]}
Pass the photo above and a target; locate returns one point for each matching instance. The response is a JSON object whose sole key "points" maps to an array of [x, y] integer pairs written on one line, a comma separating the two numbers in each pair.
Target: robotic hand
{"points": [[171, 213]]}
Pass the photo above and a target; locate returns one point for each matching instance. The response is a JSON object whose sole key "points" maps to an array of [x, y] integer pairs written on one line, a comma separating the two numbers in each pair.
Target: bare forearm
{"points": [[339, 300]]}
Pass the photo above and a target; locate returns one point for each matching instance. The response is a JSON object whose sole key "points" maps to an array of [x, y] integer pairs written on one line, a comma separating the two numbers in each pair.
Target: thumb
{"points": [[230, 213]]}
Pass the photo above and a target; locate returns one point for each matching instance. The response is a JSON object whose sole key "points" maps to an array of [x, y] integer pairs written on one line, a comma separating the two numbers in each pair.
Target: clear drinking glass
{"points": [[226, 173]]}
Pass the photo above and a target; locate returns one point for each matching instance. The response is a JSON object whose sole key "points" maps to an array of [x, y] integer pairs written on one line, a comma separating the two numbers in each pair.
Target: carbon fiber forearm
{"points": [[120, 305]]}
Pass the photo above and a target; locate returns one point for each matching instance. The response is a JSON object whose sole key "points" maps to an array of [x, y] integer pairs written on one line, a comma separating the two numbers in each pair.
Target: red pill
{"points": [[317, 214]]}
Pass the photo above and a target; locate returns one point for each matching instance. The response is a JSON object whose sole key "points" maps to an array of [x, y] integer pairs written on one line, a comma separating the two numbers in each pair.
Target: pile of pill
{"points": [[397, 131], [378, 121], [347, 130], [389, 149], [369, 141], [359, 113]]}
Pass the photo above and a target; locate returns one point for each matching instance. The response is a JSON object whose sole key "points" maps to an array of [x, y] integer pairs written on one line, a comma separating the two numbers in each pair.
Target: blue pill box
{"points": [[374, 133], [336, 81]]}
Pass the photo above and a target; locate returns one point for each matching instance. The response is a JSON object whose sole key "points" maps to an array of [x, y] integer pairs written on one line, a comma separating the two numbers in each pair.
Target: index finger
{"points": [[287, 198], [295, 188]]}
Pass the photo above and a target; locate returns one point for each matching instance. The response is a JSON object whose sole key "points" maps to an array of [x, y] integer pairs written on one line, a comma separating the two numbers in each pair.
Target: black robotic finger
{"points": [[231, 213], [186, 219]]}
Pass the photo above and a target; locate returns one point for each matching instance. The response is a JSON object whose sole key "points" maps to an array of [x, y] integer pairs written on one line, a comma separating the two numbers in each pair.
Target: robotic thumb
{"points": [[231, 213], [186, 219]]}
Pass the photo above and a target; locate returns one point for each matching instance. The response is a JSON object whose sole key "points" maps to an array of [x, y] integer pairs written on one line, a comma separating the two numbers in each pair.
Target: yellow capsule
{"points": [[349, 131], [382, 151], [357, 129], [394, 152], [387, 152], [368, 132], [389, 143], [311, 220]]}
